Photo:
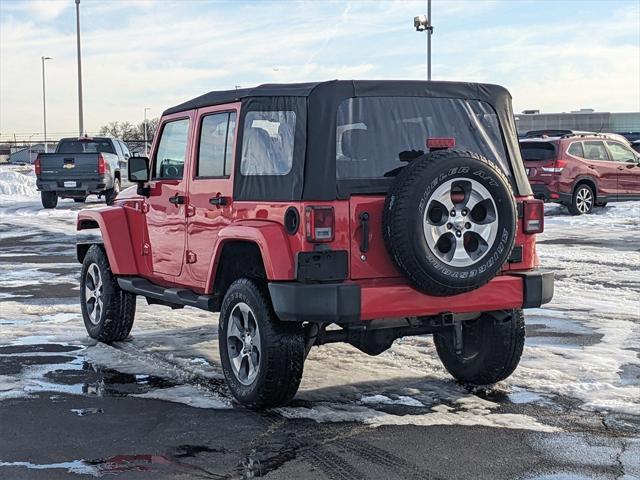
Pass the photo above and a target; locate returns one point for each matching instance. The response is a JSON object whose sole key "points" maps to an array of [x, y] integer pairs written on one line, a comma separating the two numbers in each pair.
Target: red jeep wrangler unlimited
{"points": [[379, 208]]}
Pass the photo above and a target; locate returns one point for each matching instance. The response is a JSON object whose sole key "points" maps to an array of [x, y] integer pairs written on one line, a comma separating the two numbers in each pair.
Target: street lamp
{"points": [[146, 154], [44, 103], [422, 23], [79, 68]]}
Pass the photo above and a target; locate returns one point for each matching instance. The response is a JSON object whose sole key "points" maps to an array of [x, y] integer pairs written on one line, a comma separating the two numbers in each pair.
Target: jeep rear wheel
{"points": [[491, 348], [107, 310], [262, 358], [49, 199], [450, 221]]}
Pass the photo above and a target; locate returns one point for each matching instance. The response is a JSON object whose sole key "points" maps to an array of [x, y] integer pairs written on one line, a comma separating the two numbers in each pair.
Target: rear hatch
{"points": [[375, 138], [539, 159]]}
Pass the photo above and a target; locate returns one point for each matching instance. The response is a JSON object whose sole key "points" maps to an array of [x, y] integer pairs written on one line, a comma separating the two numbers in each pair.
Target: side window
{"points": [[267, 143], [595, 150], [576, 150], [172, 149], [620, 153], [216, 145]]}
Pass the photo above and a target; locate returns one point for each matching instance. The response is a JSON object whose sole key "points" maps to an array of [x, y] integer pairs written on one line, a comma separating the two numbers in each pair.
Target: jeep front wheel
{"points": [[107, 310], [490, 350], [262, 358]]}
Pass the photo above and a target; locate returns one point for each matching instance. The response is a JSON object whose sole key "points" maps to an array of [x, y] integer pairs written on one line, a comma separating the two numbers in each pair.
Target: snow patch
{"points": [[188, 395]]}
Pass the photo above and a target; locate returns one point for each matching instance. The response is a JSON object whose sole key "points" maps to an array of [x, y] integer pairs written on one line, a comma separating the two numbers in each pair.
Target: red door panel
{"points": [[211, 178]]}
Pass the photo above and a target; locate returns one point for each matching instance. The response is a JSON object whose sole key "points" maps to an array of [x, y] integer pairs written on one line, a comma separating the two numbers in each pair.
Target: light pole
{"points": [[422, 23], [145, 131], [44, 104], [79, 68]]}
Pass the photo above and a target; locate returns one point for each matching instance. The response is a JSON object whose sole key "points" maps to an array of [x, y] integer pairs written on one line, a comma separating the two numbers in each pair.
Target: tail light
{"points": [[440, 143], [319, 223], [559, 166], [102, 166], [533, 216], [37, 166]]}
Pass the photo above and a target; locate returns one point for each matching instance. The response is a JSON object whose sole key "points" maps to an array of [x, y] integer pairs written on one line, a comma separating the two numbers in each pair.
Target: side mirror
{"points": [[138, 169]]}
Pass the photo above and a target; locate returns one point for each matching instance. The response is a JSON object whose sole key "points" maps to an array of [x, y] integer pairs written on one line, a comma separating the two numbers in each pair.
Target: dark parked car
{"points": [[80, 167], [581, 171]]}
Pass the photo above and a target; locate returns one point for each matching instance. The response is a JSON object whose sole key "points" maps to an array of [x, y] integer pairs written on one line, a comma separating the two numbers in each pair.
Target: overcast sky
{"points": [[553, 55]]}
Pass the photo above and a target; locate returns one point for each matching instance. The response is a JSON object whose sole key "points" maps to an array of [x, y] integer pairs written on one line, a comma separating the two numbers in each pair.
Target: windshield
{"points": [[538, 150], [85, 146], [376, 135]]}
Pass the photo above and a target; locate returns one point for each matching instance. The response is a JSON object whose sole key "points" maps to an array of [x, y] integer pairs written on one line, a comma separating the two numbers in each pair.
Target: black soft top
{"points": [[313, 175], [338, 88]]}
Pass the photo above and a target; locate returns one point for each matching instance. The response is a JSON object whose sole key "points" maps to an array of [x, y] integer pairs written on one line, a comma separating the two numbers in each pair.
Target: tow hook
{"points": [[457, 336]]}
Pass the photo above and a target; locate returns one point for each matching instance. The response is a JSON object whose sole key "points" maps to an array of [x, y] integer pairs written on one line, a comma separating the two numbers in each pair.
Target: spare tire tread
{"points": [[398, 241]]}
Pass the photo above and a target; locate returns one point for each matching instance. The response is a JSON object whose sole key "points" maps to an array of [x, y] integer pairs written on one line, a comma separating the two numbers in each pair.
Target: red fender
{"points": [[270, 238], [114, 228]]}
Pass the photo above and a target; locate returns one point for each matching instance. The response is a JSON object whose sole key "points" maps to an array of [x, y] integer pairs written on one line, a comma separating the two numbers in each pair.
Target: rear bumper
{"points": [[351, 302], [87, 186]]}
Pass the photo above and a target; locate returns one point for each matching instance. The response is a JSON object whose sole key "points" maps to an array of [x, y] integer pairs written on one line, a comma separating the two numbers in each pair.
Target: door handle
{"points": [[591, 166], [364, 223], [177, 199], [218, 201]]}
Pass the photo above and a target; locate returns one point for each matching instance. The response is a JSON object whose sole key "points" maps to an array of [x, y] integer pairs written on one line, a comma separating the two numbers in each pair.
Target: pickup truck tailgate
{"points": [[60, 166]]}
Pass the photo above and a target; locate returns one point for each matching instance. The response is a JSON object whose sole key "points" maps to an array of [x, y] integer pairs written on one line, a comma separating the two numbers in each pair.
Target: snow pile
{"points": [[17, 183]]}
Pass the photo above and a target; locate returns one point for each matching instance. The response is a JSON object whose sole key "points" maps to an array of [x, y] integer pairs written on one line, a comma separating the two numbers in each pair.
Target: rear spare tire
{"points": [[450, 221]]}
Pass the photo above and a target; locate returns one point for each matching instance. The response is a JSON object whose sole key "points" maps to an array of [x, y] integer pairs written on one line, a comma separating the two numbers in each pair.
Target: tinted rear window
{"points": [[85, 146], [374, 133], [538, 150]]}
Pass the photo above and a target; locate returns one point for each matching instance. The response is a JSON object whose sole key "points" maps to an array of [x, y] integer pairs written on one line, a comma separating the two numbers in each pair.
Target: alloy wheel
{"points": [[243, 343], [460, 222], [584, 200], [94, 294]]}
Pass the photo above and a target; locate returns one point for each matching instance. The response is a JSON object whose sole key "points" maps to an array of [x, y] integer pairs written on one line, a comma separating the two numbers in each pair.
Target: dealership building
{"points": [[584, 119]]}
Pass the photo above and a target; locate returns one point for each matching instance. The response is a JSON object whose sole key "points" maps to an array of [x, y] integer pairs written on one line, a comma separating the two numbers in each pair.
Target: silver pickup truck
{"points": [[81, 167]]}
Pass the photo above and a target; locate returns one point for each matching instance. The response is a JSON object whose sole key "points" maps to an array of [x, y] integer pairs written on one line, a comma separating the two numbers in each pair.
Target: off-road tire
{"points": [[492, 347], [404, 211], [119, 307], [49, 199], [282, 349], [576, 207], [111, 194]]}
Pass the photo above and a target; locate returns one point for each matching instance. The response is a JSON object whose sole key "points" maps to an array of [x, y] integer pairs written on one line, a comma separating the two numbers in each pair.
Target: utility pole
{"points": [[44, 104], [422, 23], [81, 121], [429, 33], [146, 153]]}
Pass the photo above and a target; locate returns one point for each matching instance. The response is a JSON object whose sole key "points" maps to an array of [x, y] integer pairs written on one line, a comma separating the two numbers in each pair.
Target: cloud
{"points": [[47, 10]]}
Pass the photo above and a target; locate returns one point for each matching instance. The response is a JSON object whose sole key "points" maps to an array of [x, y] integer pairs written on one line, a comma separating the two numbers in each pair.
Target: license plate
{"points": [[70, 184]]}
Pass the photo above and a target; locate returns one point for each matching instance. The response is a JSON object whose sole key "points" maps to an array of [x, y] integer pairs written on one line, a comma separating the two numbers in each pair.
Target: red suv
{"points": [[342, 211], [581, 171]]}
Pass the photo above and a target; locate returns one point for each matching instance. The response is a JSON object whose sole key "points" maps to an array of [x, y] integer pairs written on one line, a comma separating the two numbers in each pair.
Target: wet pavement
{"points": [[155, 406]]}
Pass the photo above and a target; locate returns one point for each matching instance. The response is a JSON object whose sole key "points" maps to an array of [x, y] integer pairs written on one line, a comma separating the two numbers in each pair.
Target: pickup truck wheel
{"points": [[582, 201], [491, 348], [49, 199], [449, 221], [262, 358], [111, 194], [107, 310]]}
